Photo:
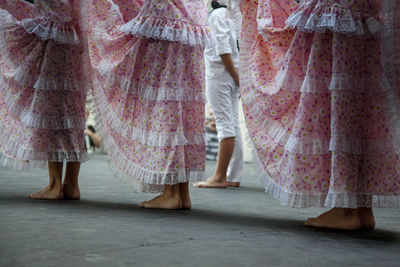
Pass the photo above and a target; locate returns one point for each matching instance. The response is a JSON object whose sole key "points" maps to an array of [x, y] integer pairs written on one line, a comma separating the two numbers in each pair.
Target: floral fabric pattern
{"points": [[149, 90], [172, 20], [321, 110], [42, 84]]}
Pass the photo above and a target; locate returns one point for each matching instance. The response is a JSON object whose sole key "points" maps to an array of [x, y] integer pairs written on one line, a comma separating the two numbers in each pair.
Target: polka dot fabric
{"points": [[149, 91], [321, 110], [42, 84]]}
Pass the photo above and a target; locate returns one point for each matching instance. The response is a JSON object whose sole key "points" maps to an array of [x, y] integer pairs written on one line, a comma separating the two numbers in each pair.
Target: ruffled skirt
{"points": [[42, 97], [149, 95], [323, 115]]}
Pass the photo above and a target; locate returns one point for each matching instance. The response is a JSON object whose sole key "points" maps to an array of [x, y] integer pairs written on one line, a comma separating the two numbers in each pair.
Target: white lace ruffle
{"points": [[339, 82], [14, 154], [113, 121], [59, 123], [302, 200], [50, 30], [155, 138], [279, 135], [24, 78], [322, 18], [43, 83], [351, 83], [21, 165], [154, 93], [142, 179], [37, 121], [354, 146], [163, 139], [169, 30], [40, 159]]}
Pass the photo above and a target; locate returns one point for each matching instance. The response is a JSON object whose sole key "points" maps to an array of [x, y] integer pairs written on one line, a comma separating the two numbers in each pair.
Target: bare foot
{"points": [[212, 182], [367, 218], [185, 196], [233, 184], [48, 194], [170, 199], [71, 192], [337, 218]]}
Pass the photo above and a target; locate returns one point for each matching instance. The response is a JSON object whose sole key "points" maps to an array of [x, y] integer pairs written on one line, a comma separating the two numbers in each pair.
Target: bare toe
{"points": [[233, 184], [163, 201], [141, 204], [48, 194], [309, 221], [209, 184], [337, 218]]}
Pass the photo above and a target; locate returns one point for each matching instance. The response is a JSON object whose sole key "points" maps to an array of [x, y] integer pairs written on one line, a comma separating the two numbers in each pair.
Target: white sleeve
{"points": [[221, 30]]}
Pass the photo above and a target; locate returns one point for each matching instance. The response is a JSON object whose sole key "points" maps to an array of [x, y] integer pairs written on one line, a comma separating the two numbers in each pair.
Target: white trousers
{"points": [[223, 95]]}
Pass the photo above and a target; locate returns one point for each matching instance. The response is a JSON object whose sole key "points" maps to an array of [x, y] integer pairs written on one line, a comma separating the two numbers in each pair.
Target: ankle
{"points": [[219, 178], [365, 210], [70, 185], [55, 187], [172, 190], [350, 212]]}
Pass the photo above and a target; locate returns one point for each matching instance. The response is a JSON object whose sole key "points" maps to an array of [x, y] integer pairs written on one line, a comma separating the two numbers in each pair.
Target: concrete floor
{"points": [[233, 227]]}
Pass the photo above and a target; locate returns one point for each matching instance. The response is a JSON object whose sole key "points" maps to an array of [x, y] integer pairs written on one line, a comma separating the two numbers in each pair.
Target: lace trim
{"points": [[23, 75], [154, 93], [33, 120], [302, 200], [160, 139], [43, 83], [355, 146], [21, 165], [169, 30], [142, 179], [111, 120], [60, 123], [307, 84], [49, 30], [15, 154], [271, 20], [277, 134], [338, 19], [311, 146], [42, 161]]}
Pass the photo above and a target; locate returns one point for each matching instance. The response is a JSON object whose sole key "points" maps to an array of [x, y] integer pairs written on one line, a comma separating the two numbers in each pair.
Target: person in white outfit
{"points": [[236, 16], [222, 85]]}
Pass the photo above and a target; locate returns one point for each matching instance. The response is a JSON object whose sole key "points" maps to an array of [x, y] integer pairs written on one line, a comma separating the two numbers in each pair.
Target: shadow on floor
{"points": [[199, 216]]}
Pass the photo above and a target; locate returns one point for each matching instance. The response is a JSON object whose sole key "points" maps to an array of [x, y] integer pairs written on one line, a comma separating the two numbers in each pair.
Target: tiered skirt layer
{"points": [[150, 102], [42, 94], [322, 114]]}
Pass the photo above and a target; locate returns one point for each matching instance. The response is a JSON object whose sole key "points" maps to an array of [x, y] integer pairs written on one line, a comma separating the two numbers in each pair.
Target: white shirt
{"points": [[236, 16], [223, 30]]}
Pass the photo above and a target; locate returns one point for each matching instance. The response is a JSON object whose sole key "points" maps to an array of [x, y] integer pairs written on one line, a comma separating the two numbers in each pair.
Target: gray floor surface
{"points": [[232, 227]]}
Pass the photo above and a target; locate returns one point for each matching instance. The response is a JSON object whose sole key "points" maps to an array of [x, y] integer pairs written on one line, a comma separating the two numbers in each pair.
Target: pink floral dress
{"points": [[148, 85], [42, 84], [321, 99]]}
